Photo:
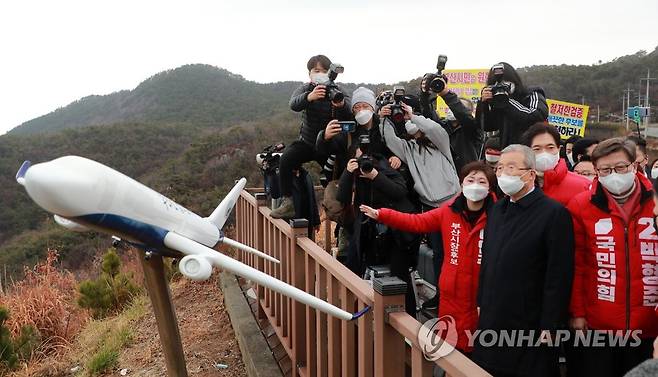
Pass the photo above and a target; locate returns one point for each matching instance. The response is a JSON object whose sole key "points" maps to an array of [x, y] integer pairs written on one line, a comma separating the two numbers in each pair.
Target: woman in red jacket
{"points": [[615, 285], [461, 221]]}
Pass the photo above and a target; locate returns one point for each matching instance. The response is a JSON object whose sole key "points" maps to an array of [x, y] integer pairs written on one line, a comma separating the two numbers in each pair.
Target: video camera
{"points": [[268, 159], [393, 98], [436, 82], [268, 162], [366, 163], [500, 90], [332, 93]]}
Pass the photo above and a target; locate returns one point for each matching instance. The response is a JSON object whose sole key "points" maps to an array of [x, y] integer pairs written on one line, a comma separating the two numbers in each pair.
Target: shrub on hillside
{"points": [[44, 316], [111, 292]]}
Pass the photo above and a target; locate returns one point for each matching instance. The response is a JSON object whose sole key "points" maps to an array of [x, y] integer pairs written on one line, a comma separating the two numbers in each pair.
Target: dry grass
{"points": [[45, 300]]}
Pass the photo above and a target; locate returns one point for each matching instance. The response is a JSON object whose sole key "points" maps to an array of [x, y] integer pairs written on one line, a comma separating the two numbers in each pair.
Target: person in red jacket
{"points": [[461, 222], [553, 176], [616, 260]]}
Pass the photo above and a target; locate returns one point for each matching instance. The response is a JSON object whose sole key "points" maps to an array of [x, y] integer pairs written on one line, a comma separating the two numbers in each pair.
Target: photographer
{"points": [[340, 142], [466, 135], [508, 106], [319, 101], [371, 181], [427, 154]]}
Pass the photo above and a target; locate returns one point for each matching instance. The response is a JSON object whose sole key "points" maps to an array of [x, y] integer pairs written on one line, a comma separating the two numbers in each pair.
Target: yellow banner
{"points": [[569, 118], [466, 83]]}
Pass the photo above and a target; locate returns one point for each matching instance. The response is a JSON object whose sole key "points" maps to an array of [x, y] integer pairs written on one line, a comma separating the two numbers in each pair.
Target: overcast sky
{"points": [[54, 52]]}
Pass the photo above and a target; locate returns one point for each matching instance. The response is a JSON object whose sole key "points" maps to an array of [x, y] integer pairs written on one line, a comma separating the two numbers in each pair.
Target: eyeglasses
{"points": [[509, 169], [619, 169]]}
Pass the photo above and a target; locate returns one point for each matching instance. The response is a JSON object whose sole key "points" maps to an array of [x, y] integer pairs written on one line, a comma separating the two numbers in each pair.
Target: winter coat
{"points": [[516, 117], [616, 279], [466, 136], [562, 185], [316, 114], [525, 280], [462, 248], [433, 171], [338, 145], [389, 190]]}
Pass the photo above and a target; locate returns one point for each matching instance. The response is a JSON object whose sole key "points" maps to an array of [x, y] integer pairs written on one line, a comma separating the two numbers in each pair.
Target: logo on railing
{"points": [[437, 337]]}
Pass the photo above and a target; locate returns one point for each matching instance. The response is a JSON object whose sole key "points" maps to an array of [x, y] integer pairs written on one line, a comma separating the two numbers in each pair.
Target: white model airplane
{"points": [[86, 195]]}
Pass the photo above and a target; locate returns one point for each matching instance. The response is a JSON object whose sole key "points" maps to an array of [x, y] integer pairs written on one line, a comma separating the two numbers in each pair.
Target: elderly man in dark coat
{"points": [[526, 274]]}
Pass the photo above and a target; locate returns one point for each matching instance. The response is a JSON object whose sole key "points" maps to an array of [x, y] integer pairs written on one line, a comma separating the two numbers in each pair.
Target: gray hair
{"points": [[528, 154]]}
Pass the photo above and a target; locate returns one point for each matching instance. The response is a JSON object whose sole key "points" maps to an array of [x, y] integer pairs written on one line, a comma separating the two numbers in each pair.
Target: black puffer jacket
{"points": [[514, 119], [316, 114], [466, 135], [338, 145]]}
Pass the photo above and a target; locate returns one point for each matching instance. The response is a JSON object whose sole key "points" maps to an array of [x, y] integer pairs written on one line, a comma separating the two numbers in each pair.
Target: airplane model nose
{"points": [[56, 188]]}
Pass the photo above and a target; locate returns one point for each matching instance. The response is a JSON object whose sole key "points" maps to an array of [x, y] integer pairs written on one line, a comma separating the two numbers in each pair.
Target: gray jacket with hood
{"points": [[433, 170]]}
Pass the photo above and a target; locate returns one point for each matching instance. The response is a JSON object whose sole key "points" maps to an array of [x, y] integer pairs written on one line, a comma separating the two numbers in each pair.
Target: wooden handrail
{"points": [[360, 288], [377, 344]]}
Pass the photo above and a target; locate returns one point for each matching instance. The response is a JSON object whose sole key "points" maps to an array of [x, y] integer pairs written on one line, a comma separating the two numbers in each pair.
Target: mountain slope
{"points": [[197, 94]]}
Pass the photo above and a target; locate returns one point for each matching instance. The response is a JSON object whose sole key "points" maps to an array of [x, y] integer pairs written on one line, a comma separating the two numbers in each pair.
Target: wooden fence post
{"points": [[261, 201], [389, 344], [297, 274], [165, 315]]}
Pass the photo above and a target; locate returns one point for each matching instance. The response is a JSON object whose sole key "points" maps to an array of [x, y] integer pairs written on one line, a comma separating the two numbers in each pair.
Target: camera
{"points": [[332, 93], [347, 126], [268, 159], [393, 98], [436, 82], [500, 89], [366, 164]]}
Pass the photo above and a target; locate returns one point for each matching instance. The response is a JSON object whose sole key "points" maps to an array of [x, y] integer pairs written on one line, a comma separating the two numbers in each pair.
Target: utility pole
{"points": [[646, 97], [598, 114], [628, 104]]}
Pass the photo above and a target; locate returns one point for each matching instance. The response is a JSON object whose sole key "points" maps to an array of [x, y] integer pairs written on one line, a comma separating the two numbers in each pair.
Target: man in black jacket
{"points": [[466, 135], [510, 114], [317, 111], [526, 273], [372, 243]]}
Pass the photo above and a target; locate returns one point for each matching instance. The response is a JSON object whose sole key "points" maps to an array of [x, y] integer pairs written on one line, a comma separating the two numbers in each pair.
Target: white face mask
{"points": [[618, 183], [363, 116], [654, 173], [493, 158], [411, 128], [475, 192], [546, 161], [510, 184], [319, 78]]}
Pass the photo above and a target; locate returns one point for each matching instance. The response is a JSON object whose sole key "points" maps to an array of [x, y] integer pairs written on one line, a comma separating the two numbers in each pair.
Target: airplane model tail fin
{"points": [[223, 210]]}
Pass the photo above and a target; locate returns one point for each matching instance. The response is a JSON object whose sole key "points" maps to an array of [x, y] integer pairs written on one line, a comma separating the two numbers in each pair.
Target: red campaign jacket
{"points": [[462, 248], [562, 185], [616, 267]]}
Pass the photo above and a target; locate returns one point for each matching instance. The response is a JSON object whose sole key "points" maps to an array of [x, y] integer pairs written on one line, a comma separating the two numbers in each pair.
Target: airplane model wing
{"points": [[200, 259]]}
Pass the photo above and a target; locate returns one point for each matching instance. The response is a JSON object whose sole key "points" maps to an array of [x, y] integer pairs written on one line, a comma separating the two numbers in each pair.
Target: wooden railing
{"points": [[383, 342]]}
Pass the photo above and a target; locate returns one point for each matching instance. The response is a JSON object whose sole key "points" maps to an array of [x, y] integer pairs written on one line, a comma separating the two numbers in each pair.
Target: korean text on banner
{"points": [[569, 118], [466, 83]]}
